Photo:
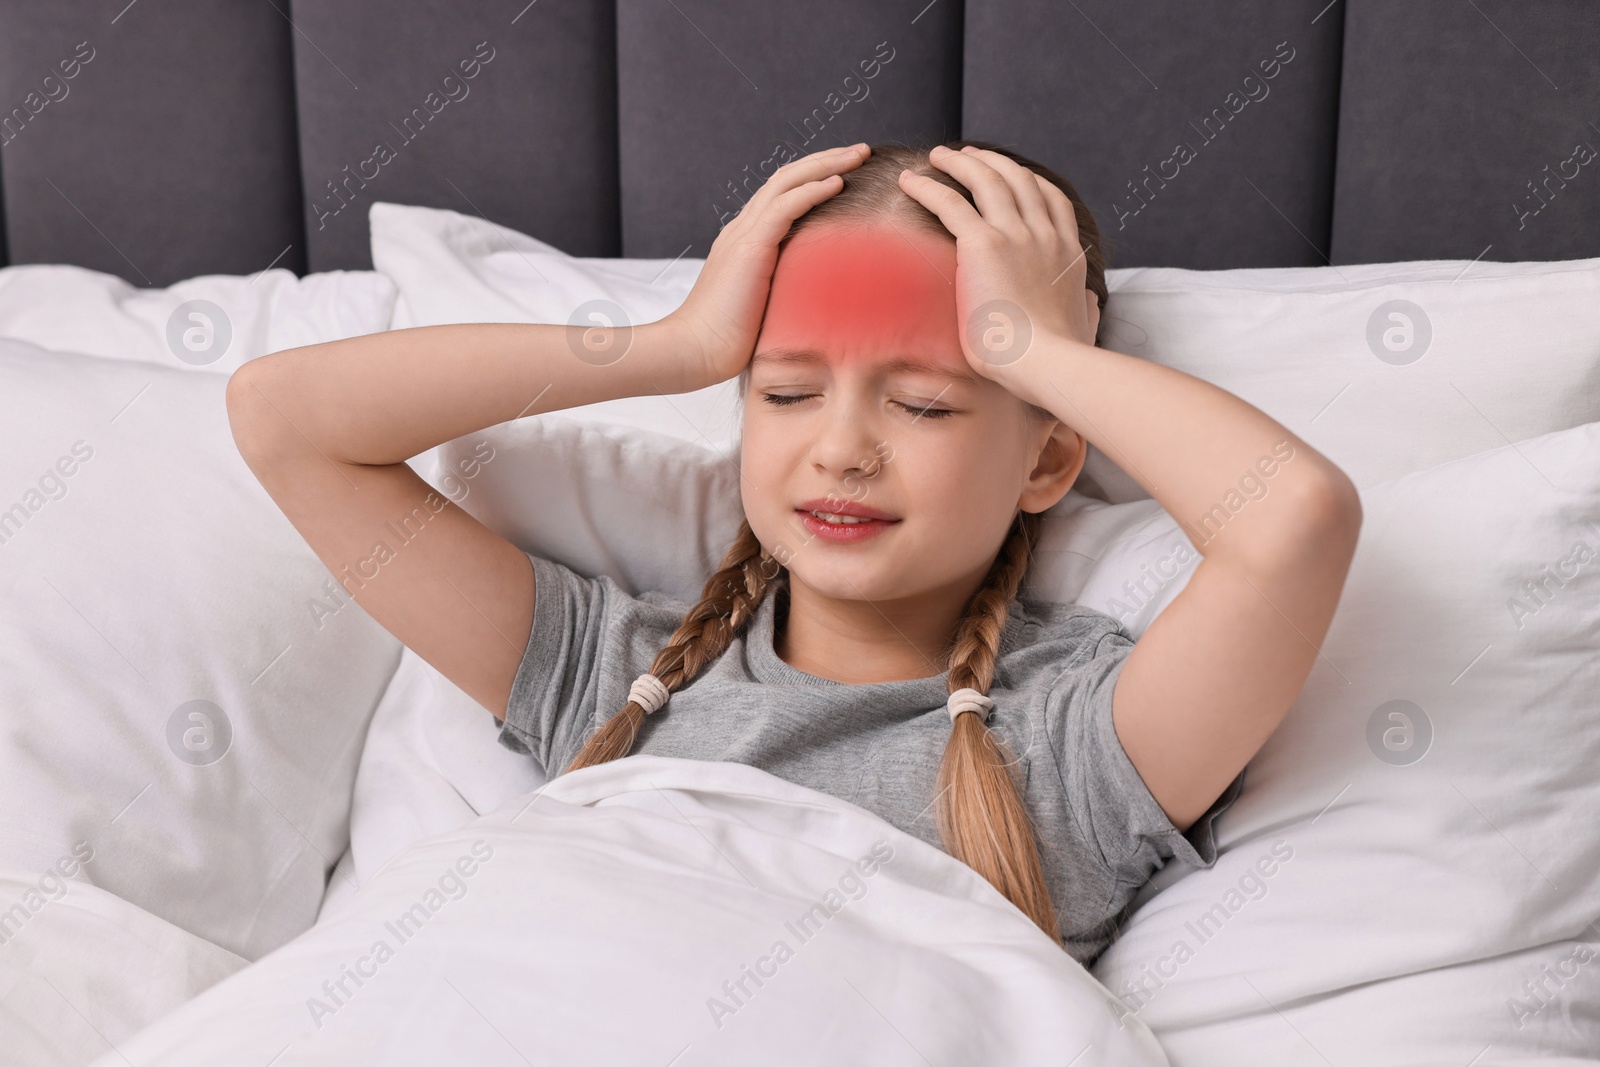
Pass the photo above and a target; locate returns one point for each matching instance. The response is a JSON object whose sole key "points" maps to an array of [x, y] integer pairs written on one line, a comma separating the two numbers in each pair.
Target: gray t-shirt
{"points": [[1102, 835]]}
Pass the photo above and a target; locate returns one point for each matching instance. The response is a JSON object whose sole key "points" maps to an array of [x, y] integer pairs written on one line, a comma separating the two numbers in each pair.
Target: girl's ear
{"points": [[1093, 303], [1060, 462]]}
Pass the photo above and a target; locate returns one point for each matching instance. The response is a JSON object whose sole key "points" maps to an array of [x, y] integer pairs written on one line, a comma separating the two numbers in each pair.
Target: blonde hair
{"points": [[981, 817]]}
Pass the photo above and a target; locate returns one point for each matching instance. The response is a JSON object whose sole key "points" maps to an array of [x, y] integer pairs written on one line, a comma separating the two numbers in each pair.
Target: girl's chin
{"points": [[834, 580]]}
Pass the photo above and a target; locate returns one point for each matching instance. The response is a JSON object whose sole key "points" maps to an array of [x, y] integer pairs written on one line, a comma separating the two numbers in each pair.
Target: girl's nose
{"points": [[848, 439]]}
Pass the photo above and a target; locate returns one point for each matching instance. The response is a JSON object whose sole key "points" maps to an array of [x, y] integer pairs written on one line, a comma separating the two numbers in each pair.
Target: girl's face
{"points": [[860, 330]]}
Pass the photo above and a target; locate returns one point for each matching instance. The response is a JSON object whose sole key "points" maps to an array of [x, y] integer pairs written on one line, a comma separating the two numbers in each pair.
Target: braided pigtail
{"points": [[981, 816], [727, 603]]}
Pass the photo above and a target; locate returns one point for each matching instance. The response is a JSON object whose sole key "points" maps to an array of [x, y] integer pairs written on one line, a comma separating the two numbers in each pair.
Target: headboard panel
{"points": [[1199, 139], [475, 107], [1457, 124], [156, 144], [716, 96], [202, 137]]}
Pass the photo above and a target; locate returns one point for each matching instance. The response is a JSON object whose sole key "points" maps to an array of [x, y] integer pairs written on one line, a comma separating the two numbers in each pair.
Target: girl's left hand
{"points": [[1018, 260]]}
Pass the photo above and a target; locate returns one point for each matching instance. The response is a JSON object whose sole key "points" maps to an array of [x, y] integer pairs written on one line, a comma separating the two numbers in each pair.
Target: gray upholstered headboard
{"points": [[160, 139]]}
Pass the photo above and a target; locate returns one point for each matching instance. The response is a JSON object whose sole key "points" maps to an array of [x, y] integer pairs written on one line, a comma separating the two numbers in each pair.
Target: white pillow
{"points": [[213, 323], [86, 969], [1497, 352], [649, 510], [450, 268], [654, 512], [145, 575], [1384, 368], [1416, 850]]}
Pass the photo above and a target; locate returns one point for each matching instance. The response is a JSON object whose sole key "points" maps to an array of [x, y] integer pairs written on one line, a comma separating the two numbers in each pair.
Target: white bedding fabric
{"points": [[527, 945], [81, 968], [214, 323], [184, 688], [1412, 874], [537, 951], [1385, 368], [431, 762]]}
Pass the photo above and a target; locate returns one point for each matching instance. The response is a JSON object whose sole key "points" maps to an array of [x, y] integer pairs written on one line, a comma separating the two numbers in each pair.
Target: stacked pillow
{"points": [[179, 732], [185, 687], [1384, 368], [452, 268], [1413, 870]]}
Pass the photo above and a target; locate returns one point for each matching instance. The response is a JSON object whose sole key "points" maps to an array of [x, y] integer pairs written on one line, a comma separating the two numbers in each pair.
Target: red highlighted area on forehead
{"points": [[871, 291]]}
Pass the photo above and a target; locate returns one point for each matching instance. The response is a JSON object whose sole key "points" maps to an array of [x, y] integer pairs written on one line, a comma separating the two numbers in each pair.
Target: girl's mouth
{"points": [[844, 529]]}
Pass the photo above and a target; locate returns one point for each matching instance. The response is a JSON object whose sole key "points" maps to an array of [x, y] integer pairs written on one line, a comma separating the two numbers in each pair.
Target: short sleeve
{"points": [[589, 637], [1106, 795]]}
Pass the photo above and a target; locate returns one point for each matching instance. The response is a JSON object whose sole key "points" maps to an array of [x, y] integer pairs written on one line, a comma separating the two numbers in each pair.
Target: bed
{"points": [[240, 823]]}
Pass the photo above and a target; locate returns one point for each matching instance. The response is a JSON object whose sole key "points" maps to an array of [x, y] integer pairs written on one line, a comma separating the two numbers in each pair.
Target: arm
{"points": [[1217, 671], [1219, 668], [327, 429]]}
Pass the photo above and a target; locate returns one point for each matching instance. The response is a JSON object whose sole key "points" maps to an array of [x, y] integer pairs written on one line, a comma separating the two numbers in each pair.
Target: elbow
{"points": [[1330, 513], [251, 416], [240, 400], [237, 393], [1338, 502], [1310, 522]]}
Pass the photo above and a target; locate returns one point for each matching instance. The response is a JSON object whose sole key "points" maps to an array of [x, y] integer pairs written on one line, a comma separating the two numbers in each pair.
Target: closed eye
{"points": [[782, 400], [929, 412], [779, 400]]}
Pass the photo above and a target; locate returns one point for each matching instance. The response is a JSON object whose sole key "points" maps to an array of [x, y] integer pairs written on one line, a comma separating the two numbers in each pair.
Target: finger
{"points": [[774, 218], [1062, 215], [815, 167], [1024, 190], [953, 209], [989, 189], [792, 176], [1062, 212], [1065, 219], [861, 149]]}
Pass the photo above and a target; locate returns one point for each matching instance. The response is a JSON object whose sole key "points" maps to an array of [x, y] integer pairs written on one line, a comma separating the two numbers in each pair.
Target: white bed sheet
{"points": [[655, 910]]}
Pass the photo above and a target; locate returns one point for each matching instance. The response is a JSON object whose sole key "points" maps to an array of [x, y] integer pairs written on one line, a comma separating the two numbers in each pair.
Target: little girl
{"points": [[914, 333]]}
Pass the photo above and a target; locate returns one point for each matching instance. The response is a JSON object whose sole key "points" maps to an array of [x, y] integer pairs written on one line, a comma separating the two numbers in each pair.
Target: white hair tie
{"points": [[649, 692], [970, 700]]}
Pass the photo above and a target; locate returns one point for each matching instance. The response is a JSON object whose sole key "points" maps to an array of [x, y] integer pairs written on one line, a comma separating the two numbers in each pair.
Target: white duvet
{"points": [[661, 911]]}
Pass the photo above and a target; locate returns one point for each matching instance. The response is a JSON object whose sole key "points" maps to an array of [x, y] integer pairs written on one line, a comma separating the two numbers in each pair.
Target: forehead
{"points": [[865, 290]]}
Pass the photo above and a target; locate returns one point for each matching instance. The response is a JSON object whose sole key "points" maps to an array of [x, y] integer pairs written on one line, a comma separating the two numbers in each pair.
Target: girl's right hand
{"points": [[721, 317]]}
